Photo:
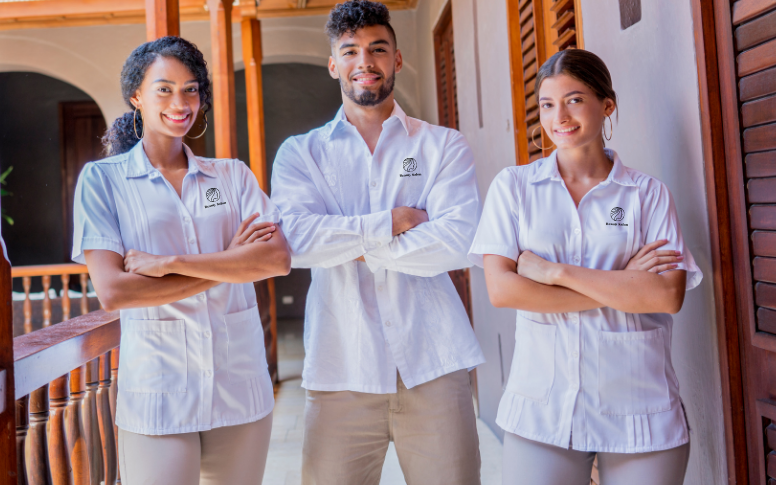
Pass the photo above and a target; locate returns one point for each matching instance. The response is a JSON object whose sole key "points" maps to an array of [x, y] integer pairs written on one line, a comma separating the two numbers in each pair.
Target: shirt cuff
{"points": [[89, 243], [378, 229], [477, 252]]}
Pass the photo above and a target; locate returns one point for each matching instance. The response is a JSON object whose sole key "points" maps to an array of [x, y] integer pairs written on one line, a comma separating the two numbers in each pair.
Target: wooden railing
{"points": [[66, 380]]}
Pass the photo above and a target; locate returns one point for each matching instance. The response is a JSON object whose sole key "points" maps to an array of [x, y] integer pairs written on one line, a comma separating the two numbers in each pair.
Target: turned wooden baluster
{"points": [[84, 297], [91, 423], [36, 445], [74, 427], [22, 425], [27, 283], [65, 297], [106, 421], [114, 391], [46, 301], [59, 458]]}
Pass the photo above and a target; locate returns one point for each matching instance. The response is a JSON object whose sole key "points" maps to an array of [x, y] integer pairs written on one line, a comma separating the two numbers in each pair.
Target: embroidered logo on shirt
{"points": [[410, 165], [213, 195], [617, 214]]}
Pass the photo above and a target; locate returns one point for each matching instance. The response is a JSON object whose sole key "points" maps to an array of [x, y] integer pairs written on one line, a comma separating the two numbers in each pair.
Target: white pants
{"points": [[233, 455], [528, 462]]}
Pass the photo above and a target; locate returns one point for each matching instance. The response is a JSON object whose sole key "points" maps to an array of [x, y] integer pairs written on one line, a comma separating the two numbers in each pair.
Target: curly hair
{"points": [[350, 16], [120, 137]]}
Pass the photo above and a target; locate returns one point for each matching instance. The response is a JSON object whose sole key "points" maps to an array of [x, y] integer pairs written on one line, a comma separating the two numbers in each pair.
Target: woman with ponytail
{"points": [[174, 241]]}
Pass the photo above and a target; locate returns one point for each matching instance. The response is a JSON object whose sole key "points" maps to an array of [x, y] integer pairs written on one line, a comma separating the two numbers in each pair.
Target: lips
{"points": [[182, 118], [366, 78], [566, 131]]}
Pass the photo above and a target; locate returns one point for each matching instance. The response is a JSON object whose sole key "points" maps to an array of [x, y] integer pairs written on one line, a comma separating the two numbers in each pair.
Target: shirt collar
{"points": [[342, 119], [618, 174], [138, 164]]}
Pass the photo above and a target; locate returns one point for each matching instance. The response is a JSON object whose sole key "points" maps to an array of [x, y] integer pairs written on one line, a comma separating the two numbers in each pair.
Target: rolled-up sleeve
{"points": [[94, 214], [498, 230], [315, 237], [253, 200]]}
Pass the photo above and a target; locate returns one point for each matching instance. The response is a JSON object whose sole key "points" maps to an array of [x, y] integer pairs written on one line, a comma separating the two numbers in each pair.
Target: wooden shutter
{"points": [[537, 29], [447, 88]]}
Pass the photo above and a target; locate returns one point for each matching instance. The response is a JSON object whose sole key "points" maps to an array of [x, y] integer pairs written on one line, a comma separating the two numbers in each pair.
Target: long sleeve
{"points": [[441, 244], [316, 237]]}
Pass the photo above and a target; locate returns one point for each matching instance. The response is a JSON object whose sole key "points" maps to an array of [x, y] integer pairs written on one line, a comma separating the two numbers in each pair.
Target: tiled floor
{"points": [[284, 463]]}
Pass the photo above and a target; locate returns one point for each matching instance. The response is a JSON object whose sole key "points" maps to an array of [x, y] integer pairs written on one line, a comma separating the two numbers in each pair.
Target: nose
{"points": [[366, 60], [562, 113], [179, 100]]}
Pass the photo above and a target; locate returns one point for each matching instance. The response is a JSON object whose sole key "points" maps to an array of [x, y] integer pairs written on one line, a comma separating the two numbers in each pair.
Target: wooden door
{"points": [[447, 104], [81, 127], [746, 55]]}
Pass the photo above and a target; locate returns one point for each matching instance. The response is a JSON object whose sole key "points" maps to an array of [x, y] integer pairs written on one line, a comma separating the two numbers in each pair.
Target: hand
{"points": [[247, 233], [536, 268], [405, 218], [650, 259], [145, 264]]}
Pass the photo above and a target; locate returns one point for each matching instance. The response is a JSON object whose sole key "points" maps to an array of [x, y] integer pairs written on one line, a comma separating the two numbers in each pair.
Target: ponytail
{"points": [[120, 137]]}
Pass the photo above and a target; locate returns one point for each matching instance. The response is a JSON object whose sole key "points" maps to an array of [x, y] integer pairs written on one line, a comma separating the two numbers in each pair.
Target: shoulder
{"points": [[417, 127], [648, 185], [104, 169]]}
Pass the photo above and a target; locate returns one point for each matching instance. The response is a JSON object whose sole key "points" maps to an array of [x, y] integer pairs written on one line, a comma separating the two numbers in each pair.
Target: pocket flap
{"points": [[241, 316]]}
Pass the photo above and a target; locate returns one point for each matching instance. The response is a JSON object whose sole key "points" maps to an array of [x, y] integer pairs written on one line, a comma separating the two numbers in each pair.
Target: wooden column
{"points": [[36, 444], [59, 457], [162, 19], [8, 469], [74, 428], [225, 117], [105, 419]]}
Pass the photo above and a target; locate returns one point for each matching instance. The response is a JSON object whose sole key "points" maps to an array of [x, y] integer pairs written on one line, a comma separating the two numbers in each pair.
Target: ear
{"points": [[333, 71], [399, 61], [609, 106], [135, 100]]}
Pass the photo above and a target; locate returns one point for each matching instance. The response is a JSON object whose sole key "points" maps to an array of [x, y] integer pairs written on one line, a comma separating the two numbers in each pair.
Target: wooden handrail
{"points": [[48, 270], [43, 355]]}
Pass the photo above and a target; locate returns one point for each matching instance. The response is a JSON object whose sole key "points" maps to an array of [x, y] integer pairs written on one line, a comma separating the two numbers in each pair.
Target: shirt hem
{"points": [[597, 449], [194, 428]]}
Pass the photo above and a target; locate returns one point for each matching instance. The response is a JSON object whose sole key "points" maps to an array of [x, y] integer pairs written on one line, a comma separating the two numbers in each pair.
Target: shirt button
{"points": [[373, 184], [207, 333], [387, 323], [208, 373], [576, 259], [192, 240], [201, 297], [577, 231], [380, 288], [575, 355], [379, 244], [187, 219]]}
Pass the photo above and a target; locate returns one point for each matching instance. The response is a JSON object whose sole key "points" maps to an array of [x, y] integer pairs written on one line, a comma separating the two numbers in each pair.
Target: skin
{"points": [[365, 61], [168, 99], [573, 117]]}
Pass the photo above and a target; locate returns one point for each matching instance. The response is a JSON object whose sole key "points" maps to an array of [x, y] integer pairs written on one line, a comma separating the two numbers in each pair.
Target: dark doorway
{"points": [[81, 128]]}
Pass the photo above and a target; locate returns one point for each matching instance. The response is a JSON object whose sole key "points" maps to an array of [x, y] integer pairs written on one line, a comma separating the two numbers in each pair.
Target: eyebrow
{"points": [[565, 95], [377, 42], [173, 82]]}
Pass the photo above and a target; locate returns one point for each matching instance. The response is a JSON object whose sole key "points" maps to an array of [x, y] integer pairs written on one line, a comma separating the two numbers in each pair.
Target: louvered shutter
{"points": [[447, 89]]}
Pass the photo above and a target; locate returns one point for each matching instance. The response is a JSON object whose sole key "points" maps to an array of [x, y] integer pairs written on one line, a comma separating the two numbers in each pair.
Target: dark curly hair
{"points": [[348, 17], [120, 137]]}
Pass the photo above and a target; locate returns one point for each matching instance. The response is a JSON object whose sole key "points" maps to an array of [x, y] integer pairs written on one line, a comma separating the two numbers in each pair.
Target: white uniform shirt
{"points": [[598, 380], [400, 310], [198, 363]]}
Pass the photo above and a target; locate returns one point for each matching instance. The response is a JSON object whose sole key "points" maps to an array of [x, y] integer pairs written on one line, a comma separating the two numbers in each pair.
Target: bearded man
{"points": [[381, 206]]}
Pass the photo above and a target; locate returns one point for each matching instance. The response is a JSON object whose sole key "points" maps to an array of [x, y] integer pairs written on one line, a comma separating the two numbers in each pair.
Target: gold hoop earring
{"points": [[611, 129], [204, 116], [533, 140], [134, 123]]}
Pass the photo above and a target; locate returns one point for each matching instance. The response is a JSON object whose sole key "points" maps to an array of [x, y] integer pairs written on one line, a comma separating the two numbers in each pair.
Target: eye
{"points": [[546, 105], [193, 89], [164, 90], [380, 49], [575, 100], [347, 53]]}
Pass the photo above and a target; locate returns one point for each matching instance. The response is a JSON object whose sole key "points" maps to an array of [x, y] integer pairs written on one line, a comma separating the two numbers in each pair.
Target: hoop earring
{"points": [[533, 140], [134, 123], [611, 129], [204, 115]]}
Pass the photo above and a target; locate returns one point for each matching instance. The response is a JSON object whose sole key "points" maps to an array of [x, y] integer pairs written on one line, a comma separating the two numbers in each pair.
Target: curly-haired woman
{"points": [[174, 241]]}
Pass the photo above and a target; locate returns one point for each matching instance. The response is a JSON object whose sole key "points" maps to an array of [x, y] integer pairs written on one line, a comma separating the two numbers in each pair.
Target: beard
{"points": [[369, 98]]}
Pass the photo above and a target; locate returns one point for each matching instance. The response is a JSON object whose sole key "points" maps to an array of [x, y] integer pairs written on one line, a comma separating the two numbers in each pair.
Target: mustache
{"points": [[369, 71]]}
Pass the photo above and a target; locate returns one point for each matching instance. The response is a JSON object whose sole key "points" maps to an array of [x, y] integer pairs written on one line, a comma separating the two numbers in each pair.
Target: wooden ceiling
{"points": [[37, 14]]}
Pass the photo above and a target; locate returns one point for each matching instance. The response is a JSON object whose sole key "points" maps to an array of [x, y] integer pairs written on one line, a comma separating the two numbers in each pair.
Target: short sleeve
{"points": [[661, 221], [498, 229], [252, 198], [95, 218]]}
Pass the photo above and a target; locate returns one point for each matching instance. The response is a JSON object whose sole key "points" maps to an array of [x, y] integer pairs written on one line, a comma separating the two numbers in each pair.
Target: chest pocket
{"points": [[412, 176], [153, 356], [245, 345]]}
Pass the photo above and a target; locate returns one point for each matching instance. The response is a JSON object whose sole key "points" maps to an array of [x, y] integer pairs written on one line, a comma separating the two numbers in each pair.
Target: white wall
{"points": [[654, 71], [91, 58]]}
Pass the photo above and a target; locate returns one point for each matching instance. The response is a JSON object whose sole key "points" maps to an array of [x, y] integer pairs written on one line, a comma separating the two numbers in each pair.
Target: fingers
{"points": [[265, 238], [651, 247], [247, 222], [663, 267]]}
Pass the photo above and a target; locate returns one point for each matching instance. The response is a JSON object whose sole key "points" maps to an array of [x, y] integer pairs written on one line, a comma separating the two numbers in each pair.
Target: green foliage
{"points": [[4, 192]]}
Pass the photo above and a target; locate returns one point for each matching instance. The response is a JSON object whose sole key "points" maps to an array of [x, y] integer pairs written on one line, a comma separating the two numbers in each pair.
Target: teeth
{"points": [[567, 130], [177, 118]]}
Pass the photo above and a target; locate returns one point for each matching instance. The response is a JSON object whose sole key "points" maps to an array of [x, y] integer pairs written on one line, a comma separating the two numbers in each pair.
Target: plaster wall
{"points": [[654, 71]]}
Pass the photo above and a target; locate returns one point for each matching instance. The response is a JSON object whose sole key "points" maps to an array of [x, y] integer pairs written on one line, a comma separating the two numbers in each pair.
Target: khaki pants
{"points": [[528, 462], [432, 425], [233, 455]]}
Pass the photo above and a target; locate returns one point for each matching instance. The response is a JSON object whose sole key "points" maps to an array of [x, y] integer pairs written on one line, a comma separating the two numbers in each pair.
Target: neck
{"points": [[367, 119], [164, 152], [585, 162]]}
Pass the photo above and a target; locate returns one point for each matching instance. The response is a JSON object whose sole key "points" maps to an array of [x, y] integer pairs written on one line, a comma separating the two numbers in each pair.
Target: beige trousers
{"points": [[432, 425], [233, 455], [528, 462]]}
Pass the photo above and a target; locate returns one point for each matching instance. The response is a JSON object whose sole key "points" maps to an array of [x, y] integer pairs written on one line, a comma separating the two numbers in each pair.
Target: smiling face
{"points": [[366, 63], [570, 113], [168, 98]]}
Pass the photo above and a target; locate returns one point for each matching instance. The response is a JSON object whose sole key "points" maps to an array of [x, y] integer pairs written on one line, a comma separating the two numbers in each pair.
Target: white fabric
{"points": [[198, 363], [400, 308], [603, 376]]}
